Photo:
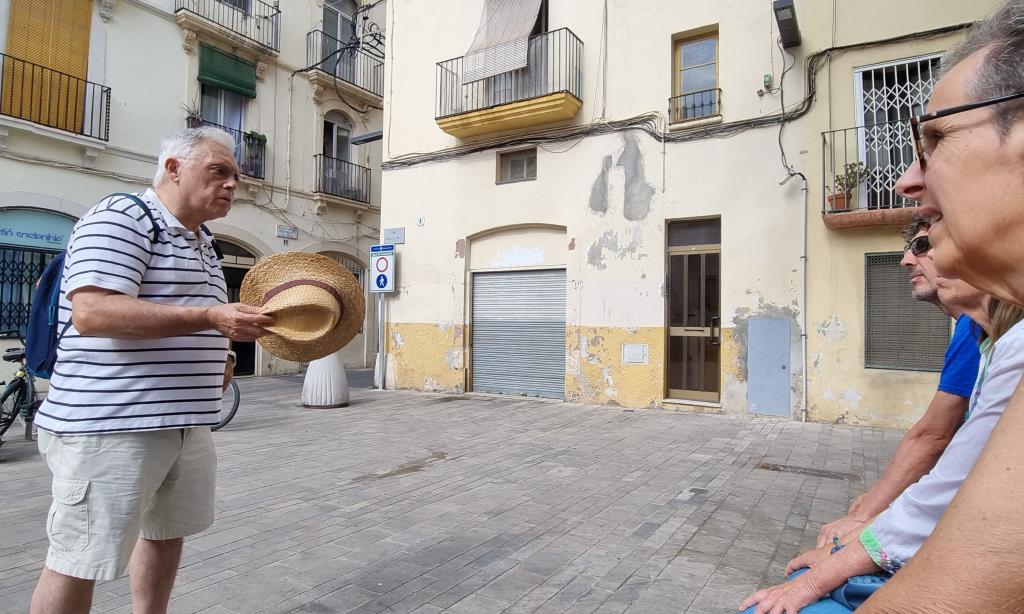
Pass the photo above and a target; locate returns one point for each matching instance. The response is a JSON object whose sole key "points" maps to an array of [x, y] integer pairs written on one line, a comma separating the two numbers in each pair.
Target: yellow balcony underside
{"points": [[523, 114]]}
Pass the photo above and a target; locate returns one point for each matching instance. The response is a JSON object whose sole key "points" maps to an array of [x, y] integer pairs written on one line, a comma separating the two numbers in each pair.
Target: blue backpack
{"points": [[42, 338]]}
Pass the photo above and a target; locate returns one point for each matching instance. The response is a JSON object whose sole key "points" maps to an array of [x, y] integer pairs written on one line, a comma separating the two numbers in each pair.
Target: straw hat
{"points": [[317, 303]]}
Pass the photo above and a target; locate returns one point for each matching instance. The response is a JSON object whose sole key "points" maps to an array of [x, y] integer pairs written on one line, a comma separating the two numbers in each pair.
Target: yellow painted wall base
{"points": [[595, 373], [426, 357], [523, 114]]}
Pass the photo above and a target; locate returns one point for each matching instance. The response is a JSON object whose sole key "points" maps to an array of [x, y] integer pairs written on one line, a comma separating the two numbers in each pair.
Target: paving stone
{"points": [[404, 504]]}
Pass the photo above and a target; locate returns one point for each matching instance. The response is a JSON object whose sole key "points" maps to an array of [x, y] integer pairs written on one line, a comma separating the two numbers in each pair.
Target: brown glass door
{"points": [[694, 310]]}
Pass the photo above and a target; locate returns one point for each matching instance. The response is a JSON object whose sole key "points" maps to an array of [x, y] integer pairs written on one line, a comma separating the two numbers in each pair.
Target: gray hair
{"points": [[1002, 73], [184, 144]]}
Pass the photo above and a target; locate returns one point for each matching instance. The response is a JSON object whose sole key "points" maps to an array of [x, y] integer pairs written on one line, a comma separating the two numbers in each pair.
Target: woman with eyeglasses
{"points": [[837, 573]]}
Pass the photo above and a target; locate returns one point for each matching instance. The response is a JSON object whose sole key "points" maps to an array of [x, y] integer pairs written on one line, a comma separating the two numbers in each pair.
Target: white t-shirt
{"points": [[898, 532], [104, 385]]}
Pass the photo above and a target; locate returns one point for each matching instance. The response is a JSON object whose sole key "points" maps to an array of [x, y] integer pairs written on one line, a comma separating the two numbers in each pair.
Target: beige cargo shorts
{"points": [[110, 489]]}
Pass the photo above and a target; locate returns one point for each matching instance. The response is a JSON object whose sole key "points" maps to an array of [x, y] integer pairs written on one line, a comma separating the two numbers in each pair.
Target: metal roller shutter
{"points": [[519, 333]]}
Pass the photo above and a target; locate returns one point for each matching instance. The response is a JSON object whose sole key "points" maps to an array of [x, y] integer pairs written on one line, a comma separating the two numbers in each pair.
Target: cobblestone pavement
{"points": [[412, 502]]}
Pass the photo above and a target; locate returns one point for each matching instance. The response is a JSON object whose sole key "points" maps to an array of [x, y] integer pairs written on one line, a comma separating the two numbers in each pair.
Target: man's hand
{"points": [[240, 322], [839, 528]]}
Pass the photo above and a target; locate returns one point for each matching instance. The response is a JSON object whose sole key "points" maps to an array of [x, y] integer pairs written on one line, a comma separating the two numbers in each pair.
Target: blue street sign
{"points": [[382, 281]]}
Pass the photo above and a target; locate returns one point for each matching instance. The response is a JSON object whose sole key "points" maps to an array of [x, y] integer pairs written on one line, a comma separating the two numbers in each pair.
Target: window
{"points": [[899, 332], [888, 94], [695, 68], [222, 107], [517, 166], [337, 130], [242, 5]]}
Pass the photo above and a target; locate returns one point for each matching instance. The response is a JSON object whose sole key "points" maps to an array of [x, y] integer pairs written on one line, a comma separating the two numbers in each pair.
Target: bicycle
{"points": [[19, 397], [228, 405]]}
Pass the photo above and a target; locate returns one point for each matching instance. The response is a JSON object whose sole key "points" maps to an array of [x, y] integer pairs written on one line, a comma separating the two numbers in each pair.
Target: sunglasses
{"points": [[919, 246]]}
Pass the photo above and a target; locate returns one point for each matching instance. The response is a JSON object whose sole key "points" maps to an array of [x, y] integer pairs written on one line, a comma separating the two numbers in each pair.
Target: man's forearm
{"points": [[972, 562], [123, 317]]}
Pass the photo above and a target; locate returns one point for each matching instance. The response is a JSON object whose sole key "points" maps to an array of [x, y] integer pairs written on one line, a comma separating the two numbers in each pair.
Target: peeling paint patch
{"points": [[638, 191], [833, 329], [460, 248], [609, 383], [572, 244], [609, 242], [396, 340], [518, 256], [453, 358], [828, 395], [599, 191]]}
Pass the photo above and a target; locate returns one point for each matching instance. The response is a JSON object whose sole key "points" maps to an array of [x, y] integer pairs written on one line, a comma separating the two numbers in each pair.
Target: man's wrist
{"points": [[233, 357]]}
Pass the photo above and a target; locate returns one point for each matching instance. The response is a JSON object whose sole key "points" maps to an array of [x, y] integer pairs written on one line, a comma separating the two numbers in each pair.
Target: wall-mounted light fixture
{"points": [[785, 16]]}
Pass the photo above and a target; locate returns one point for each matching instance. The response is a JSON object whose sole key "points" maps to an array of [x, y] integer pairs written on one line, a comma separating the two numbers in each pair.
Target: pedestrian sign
{"points": [[382, 268]]}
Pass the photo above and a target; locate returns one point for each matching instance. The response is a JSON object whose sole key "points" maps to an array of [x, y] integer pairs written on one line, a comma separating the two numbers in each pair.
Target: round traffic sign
{"points": [[382, 264]]}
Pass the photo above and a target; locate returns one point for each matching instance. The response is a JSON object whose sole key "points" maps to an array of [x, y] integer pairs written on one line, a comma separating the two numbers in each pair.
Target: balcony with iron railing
{"points": [[860, 167], [48, 97], [548, 89], [695, 105], [353, 70], [342, 178], [250, 147], [252, 23]]}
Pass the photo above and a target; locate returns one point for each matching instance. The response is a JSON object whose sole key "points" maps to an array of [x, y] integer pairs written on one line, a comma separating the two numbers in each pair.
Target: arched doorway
{"points": [[237, 260]]}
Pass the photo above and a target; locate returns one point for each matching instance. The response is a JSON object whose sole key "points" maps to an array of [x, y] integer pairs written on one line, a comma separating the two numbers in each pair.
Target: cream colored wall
{"points": [[841, 388], [149, 86], [614, 245]]}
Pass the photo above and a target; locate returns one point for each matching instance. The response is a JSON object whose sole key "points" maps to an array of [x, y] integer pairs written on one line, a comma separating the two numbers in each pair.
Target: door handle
{"points": [[716, 330]]}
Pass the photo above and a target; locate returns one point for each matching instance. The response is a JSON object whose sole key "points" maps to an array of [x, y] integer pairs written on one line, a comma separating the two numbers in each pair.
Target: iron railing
{"points": [[695, 105], [554, 62], [51, 98], [250, 149], [20, 269], [868, 160], [253, 20], [327, 54], [342, 178]]}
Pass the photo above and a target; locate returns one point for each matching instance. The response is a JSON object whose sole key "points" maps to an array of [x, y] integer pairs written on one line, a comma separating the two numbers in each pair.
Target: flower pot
{"points": [[193, 122], [839, 201]]}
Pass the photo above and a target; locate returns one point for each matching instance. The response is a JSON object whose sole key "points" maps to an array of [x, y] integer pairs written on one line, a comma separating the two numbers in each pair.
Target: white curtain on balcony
{"points": [[501, 41]]}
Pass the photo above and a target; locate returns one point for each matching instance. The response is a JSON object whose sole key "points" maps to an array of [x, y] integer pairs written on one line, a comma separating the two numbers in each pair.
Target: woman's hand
{"points": [[786, 598], [809, 558]]}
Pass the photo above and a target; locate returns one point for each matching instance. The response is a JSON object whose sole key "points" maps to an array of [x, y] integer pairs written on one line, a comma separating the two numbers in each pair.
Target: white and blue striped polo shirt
{"points": [[103, 385]]}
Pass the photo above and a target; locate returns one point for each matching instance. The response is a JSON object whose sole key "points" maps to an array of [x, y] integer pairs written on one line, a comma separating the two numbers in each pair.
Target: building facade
{"points": [[89, 87], [594, 206]]}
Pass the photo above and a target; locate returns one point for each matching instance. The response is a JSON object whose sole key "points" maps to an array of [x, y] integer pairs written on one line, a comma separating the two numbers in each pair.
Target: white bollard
{"points": [[326, 384]]}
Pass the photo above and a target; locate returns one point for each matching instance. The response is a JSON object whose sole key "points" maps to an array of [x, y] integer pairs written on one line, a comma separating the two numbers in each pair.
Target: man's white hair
{"points": [[184, 145]]}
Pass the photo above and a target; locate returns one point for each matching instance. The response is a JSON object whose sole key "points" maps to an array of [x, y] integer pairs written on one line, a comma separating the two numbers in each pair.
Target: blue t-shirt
{"points": [[960, 370]]}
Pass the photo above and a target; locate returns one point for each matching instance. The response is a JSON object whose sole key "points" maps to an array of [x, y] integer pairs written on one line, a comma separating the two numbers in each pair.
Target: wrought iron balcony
{"points": [[353, 66], [695, 105], [51, 98], [861, 166], [253, 20], [554, 62], [342, 178], [250, 149]]}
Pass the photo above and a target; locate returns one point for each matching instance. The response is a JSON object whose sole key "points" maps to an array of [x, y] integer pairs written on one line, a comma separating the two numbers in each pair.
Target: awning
{"points": [[501, 40], [226, 71]]}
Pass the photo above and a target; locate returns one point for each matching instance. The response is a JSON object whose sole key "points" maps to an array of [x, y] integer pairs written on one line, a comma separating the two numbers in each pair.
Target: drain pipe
{"points": [[803, 286]]}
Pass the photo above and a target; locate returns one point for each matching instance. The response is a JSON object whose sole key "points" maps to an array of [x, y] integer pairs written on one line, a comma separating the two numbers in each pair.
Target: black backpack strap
{"points": [[145, 209]]}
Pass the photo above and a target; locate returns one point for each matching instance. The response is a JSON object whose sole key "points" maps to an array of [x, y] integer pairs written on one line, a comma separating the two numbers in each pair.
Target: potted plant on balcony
{"points": [[844, 184], [255, 143], [193, 115]]}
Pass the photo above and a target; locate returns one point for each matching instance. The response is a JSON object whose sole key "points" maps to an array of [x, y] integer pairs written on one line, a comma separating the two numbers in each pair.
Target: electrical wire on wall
{"points": [[650, 123]]}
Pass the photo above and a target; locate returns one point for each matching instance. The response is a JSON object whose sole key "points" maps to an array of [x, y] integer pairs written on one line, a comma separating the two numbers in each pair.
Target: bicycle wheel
{"points": [[228, 405], [10, 404]]}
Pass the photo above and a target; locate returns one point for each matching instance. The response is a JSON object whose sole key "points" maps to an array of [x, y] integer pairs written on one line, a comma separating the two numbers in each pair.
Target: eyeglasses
{"points": [[919, 246], [924, 151]]}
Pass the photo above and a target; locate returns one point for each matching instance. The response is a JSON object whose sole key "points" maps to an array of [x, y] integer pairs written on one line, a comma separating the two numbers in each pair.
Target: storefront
{"points": [[29, 239]]}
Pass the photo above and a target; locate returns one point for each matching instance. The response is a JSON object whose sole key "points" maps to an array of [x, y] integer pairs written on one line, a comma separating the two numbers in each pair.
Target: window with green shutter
{"points": [[226, 71]]}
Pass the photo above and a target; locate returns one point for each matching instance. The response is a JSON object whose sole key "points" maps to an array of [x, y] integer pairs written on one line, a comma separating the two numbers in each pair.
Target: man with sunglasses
{"points": [[925, 442]]}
